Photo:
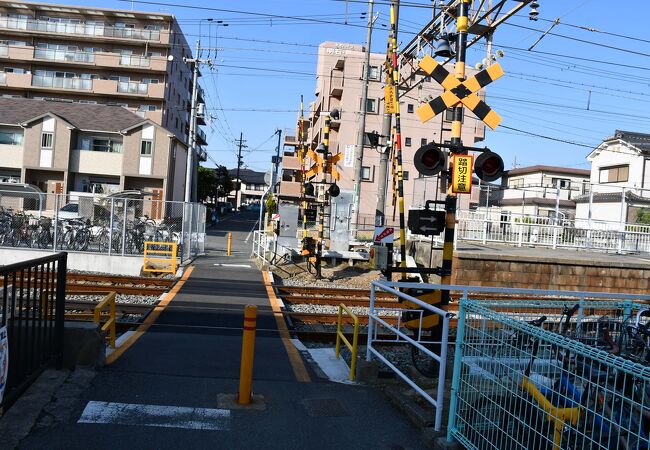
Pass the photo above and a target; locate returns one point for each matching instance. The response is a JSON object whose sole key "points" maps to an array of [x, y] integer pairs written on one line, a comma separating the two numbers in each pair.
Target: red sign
{"points": [[380, 234]]}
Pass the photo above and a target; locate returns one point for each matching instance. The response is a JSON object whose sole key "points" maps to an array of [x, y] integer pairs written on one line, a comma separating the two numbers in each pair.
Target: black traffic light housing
{"points": [[334, 190], [488, 166], [309, 189], [429, 159]]}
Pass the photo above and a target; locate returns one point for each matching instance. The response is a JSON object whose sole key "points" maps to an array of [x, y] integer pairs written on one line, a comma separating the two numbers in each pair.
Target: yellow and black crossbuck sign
{"points": [[319, 165], [457, 91]]}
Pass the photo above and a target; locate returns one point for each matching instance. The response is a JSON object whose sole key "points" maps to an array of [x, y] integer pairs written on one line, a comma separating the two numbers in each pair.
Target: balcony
{"points": [[135, 61], [290, 140], [132, 87], [336, 86], [82, 29], [201, 138], [79, 84], [290, 189], [100, 163], [64, 55], [290, 163]]}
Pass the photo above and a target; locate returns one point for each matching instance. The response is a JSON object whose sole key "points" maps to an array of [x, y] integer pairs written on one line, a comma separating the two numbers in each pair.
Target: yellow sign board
{"points": [[390, 99], [462, 175]]}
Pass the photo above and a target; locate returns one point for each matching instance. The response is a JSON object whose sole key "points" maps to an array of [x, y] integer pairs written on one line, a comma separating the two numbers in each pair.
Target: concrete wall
{"points": [[551, 273], [93, 262]]}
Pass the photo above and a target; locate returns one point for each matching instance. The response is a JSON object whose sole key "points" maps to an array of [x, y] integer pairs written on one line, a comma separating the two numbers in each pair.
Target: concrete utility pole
{"points": [[276, 165], [239, 161], [191, 142], [361, 132]]}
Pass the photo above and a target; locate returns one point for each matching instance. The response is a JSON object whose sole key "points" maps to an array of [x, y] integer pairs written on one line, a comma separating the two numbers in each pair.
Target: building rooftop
{"points": [[639, 140], [89, 10], [17, 111], [248, 176], [552, 169]]}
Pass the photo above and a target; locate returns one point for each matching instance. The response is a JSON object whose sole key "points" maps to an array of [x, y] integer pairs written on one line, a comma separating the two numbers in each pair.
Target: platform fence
{"points": [[100, 224], [573, 372], [32, 302]]}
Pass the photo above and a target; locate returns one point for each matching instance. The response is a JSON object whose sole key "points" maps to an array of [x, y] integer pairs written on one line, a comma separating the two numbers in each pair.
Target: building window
{"points": [[373, 73], [405, 175], [449, 115], [562, 182], [366, 174], [615, 174], [47, 139], [410, 108], [147, 108], [101, 144], [407, 141], [145, 148], [423, 141], [11, 138], [371, 105]]}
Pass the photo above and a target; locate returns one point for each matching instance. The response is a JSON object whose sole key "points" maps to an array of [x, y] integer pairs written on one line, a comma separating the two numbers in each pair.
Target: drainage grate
{"points": [[325, 407]]}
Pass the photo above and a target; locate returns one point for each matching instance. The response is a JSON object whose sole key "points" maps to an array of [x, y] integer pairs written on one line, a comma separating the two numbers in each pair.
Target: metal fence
{"points": [[101, 224], [524, 230], [418, 341], [552, 374], [31, 322]]}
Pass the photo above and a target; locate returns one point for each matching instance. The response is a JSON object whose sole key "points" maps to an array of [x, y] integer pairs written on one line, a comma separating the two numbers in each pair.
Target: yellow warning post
{"points": [[247, 355]]}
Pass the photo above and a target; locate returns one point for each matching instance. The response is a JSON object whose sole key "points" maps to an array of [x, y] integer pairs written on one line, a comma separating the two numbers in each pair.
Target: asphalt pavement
{"points": [[163, 391]]}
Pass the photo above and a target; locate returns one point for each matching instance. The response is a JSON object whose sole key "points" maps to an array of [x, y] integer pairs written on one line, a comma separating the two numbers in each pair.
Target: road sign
{"points": [[275, 216], [390, 99], [457, 91], [461, 181], [426, 222], [383, 235]]}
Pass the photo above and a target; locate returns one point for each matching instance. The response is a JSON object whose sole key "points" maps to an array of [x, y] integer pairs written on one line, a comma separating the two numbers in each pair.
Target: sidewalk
{"points": [[162, 392]]}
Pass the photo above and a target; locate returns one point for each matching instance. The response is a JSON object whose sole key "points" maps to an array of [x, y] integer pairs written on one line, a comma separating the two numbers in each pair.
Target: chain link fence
{"points": [[100, 224]]}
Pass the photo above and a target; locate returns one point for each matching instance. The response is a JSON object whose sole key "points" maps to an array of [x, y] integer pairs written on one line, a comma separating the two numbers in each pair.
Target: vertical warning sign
{"points": [[462, 175], [390, 99]]}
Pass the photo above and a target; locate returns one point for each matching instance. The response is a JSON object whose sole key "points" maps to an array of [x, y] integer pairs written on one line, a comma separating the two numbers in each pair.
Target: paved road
{"points": [[191, 355]]}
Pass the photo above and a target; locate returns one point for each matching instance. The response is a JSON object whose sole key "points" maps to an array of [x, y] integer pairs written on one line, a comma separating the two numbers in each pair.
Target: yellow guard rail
{"points": [[167, 257], [341, 337], [109, 326]]}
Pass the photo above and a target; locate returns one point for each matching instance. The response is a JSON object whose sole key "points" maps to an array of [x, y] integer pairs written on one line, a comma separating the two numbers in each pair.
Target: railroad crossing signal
{"points": [[457, 91], [426, 222], [320, 165]]}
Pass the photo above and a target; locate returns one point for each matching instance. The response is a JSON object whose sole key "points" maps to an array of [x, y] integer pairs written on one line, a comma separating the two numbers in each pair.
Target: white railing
{"points": [[16, 23], [426, 347], [62, 83], [263, 246], [3, 78], [132, 87], [64, 55], [134, 60], [526, 230]]}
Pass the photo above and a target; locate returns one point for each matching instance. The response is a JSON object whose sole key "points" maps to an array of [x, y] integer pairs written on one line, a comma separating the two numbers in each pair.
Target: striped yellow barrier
{"points": [[160, 257]]}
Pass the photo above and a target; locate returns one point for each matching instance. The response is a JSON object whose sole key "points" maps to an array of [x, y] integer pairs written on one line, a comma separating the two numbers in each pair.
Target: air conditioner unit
{"points": [[321, 193]]}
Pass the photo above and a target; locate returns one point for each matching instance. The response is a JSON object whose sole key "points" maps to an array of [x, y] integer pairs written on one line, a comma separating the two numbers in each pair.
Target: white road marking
{"points": [[252, 229], [245, 266], [156, 416]]}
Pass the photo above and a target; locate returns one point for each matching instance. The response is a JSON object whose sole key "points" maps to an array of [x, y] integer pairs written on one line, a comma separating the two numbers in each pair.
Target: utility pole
{"points": [[385, 132], [239, 161], [276, 163], [191, 141], [361, 132]]}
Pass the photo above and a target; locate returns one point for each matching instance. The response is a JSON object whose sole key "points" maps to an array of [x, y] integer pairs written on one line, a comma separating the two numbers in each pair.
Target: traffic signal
{"points": [[334, 190], [309, 189], [429, 159], [488, 166]]}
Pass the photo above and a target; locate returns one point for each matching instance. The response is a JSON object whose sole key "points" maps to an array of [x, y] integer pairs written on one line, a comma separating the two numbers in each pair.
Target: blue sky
{"points": [[577, 85]]}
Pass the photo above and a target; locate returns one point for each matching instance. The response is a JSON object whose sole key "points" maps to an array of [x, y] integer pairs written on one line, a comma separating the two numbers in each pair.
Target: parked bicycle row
{"points": [[575, 380], [23, 230]]}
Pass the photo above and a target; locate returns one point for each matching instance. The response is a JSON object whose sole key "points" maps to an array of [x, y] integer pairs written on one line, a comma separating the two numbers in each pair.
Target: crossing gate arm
{"points": [[154, 252]]}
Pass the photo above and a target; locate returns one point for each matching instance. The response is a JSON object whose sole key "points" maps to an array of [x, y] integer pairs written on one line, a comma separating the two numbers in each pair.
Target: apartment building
{"points": [[339, 84], [98, 56], [73, 147]]}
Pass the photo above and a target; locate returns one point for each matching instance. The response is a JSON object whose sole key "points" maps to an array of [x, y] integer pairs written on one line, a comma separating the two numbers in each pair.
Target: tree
{"points": [[206, 183], [223, 182], [643, 216]]}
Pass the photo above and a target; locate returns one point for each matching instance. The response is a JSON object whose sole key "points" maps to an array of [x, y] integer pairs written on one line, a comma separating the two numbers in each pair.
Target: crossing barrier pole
{"points": [[229, 243], [247, 355]]}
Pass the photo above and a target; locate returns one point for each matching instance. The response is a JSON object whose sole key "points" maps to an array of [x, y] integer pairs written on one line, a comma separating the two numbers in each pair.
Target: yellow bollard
{"points": [[229, 243], [247, 355]]}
